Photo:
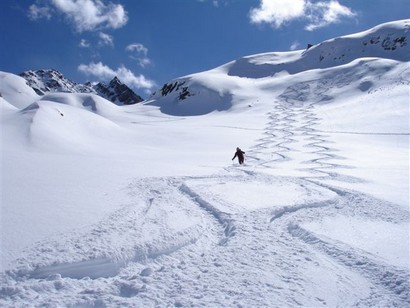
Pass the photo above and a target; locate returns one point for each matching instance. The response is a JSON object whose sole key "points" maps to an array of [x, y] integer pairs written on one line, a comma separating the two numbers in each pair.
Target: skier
{"points": [[239, 153]]}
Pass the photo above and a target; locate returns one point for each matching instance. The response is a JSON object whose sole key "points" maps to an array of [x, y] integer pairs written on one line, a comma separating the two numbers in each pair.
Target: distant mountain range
{"points": [[46, 81]]}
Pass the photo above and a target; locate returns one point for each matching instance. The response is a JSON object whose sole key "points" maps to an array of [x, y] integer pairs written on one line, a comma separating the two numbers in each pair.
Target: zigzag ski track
{"points": [[239, 238]]}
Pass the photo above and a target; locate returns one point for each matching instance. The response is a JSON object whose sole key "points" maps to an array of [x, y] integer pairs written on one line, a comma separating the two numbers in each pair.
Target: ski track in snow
{"points": [[289, 131], [182, 244]]}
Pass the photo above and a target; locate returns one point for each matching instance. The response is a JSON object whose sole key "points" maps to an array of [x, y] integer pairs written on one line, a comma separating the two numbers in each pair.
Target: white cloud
{"points": [[105, 73], [322, 14], [139, 53], [138, 48], [106, 39], [84, 15], [277, 12], [84, 44], [295, 45], [143, 62], [317, 14], [37, 12]]}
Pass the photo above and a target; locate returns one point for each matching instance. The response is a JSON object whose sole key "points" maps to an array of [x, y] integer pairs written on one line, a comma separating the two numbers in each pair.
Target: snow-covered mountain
{"points": [[49, 81], [141, 205], [204, 92]]}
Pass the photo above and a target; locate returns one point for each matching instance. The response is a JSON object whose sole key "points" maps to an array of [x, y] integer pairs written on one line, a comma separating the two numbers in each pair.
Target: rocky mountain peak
{"points": [[117, 92], [115, 81], [50, 80]]}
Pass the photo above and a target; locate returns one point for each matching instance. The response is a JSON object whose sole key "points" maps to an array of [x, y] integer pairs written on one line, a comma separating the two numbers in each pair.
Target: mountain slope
{"points": [[205, 92], [117, 92], [387, 41]]}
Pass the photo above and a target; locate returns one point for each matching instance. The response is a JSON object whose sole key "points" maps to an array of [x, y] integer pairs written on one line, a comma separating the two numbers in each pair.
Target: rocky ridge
{"points": [[46, 81]]}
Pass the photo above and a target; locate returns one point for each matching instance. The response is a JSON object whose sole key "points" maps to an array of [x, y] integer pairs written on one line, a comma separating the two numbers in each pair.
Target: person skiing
{"points": [[239, 153]]}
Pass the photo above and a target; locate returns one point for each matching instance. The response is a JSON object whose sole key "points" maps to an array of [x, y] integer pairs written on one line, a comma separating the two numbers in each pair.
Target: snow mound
{"points": [[6, 106], [15, 90], [64, 127], [192, 96], [90, 102]]}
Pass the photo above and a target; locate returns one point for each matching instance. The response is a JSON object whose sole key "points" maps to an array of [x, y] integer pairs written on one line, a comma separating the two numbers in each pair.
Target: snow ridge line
{"points": [[291, 209], [107, 267], [394, 279], [223, 218], [96, 268], [187, 237]]}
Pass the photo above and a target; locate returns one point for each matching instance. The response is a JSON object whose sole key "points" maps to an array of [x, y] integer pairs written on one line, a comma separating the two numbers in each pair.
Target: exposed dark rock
{"points": [[183, 92], [117, 92], [46, 81]]}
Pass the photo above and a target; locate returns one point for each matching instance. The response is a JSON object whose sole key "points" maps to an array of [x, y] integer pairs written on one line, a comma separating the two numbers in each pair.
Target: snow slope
{"points": [[15, 91], [141, 206]]}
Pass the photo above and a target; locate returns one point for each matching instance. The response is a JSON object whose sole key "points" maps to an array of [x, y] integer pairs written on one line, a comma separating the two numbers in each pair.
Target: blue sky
{"points": [[149, 42]]}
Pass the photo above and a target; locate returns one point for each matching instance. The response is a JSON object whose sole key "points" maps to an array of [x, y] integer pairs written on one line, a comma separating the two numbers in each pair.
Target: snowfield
{"points": [[141, 206]]}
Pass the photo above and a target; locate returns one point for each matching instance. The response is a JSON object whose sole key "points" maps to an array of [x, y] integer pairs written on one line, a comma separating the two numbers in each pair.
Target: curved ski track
{"points": [[182, 245]]}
